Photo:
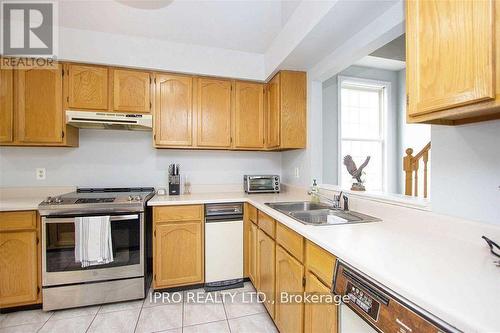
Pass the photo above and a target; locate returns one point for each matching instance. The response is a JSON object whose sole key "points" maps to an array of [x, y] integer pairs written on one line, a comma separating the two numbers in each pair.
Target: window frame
{"points": [[385, 109]]}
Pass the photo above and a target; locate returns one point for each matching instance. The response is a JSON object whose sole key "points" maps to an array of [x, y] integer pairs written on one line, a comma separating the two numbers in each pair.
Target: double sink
{"points": [[312, 213]]}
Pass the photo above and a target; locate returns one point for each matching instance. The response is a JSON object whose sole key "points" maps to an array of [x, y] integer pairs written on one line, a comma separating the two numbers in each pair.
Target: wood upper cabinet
{"points": [[452, 48], [19, 259], [173, 110], [289, 279], [6, 105], [273, 112], [86, 87], [286, 111], [40, 117], [319, 317], [131, 91], [266, 269], [248, 115], [178, 246], [214, 113]]}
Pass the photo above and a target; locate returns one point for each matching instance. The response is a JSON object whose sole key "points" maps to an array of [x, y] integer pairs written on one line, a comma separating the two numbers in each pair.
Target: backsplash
{"points": [[126, 158]]}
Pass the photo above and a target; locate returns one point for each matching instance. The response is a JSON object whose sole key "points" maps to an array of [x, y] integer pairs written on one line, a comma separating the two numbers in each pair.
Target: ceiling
{"points": [[248, 26]]}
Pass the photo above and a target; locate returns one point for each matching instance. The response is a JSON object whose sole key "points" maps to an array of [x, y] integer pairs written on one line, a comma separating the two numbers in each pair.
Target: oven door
{"points": [[59, 266]]}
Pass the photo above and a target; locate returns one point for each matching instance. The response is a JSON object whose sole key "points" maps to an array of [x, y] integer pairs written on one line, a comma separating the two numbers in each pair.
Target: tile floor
{"points": [[235, 311]]}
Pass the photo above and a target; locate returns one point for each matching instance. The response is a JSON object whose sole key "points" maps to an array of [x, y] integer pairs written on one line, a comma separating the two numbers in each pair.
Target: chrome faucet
{"points": [[335, 201]]}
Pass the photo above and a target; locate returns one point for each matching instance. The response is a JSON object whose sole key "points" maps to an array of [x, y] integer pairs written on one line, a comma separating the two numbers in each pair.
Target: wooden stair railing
{"points": [[411, 166]]}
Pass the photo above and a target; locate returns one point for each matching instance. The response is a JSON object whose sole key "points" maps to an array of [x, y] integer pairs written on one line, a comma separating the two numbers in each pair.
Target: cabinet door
{"points": [[289, 280], [252, 255], [131, 91], [173, 110], [39, 105], [18, 268], [319, 317], [178, 254], [214, 113], [87, 87], [249, 115], [449, 54], [6, 105], [273, 112], [266, 269]]}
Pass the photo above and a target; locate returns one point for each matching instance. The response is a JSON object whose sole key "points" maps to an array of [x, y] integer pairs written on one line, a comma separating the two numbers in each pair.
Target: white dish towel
{"points": [[93, 244]]}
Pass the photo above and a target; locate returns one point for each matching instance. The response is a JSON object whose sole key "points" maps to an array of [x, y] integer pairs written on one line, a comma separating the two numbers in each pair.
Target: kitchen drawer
{"points": [[291, 241], [252, 213], [267, 224], [177, 213], [17, 220], [320, 262]]}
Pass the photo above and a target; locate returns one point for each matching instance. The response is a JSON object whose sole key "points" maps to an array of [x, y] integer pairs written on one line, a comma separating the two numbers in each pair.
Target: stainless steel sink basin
{"points": [[299, 206], [320, 214]]}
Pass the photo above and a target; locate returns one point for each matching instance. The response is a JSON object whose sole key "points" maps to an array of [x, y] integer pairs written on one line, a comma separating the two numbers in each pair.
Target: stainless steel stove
{"points": [[65, 283], [101, 200]]}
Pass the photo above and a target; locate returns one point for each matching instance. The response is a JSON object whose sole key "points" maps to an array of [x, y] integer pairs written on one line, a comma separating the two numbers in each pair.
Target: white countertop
{"points": [[439, 263], [27, 198]]}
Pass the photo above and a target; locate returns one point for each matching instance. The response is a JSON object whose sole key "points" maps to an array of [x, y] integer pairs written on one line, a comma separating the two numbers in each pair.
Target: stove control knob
{"points": [[58, 200], [48, 200], [130, 198], [137, 198]]}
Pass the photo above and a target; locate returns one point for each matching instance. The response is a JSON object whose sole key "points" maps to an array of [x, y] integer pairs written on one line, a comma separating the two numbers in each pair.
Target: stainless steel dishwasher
{"points": [[223, 246]]}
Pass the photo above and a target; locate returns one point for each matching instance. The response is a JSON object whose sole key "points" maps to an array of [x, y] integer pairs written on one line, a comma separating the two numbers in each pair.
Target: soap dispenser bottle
{"points": [[314, 191]]}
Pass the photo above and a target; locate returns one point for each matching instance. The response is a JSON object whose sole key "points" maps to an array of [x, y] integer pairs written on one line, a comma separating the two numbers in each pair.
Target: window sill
{"points": [[389, 198]]}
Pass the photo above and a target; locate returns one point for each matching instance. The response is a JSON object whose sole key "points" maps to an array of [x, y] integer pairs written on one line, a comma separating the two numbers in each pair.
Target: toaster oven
{"points": [[261, 183]]}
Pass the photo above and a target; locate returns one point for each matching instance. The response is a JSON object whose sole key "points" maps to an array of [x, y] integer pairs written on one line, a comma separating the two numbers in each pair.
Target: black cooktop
{"points": [[93, 200]]}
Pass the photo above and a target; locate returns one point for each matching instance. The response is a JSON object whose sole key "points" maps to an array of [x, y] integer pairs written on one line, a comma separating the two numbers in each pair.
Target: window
{"points": [[362, 129]]}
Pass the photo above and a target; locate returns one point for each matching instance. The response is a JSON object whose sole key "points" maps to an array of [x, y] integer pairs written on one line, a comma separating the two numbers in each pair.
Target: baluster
{"points": [[425, 158], [415, 167]]}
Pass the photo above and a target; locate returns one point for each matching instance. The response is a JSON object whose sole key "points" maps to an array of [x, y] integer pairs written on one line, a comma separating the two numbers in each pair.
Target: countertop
{"points": [[438, 262], [28, 198]]}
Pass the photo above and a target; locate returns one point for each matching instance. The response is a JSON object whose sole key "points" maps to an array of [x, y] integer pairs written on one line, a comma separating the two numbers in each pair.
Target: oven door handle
{"points": [[111, 218]]}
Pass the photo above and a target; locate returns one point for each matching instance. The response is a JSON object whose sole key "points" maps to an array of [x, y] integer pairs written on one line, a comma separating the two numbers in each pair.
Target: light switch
{"points": [[296, 172]]}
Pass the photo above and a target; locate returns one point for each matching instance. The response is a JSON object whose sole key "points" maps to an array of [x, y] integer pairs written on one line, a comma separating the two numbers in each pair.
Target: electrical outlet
{"points": [[296, 172], [40, 173]]}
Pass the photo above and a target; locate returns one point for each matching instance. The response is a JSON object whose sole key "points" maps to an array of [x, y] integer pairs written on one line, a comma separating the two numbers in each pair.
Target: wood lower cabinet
{"points": [[286, 111], [452, 47], [253, 264], [20, 265], [131, 91], [6, 105], [178, 246], [173, 111], [289, 281], [266, 270], [214, 113], [86, 87], [248, 115], [319, 317]]}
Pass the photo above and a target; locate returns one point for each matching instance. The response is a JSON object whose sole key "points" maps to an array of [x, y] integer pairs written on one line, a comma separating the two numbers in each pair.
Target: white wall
{"points": [[105, 48], [125, 158], [466, 171]]}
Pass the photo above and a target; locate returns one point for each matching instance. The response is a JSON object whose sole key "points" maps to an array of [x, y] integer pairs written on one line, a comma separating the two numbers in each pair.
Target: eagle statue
{"points": [[356, 172]]}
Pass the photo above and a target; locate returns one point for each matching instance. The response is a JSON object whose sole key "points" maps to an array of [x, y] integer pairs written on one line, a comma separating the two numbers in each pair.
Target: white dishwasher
{"points": [[223, 246]]}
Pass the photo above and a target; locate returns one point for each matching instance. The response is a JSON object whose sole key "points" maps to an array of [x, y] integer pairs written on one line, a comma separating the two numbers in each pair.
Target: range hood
{"points": [[109, 120]]}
